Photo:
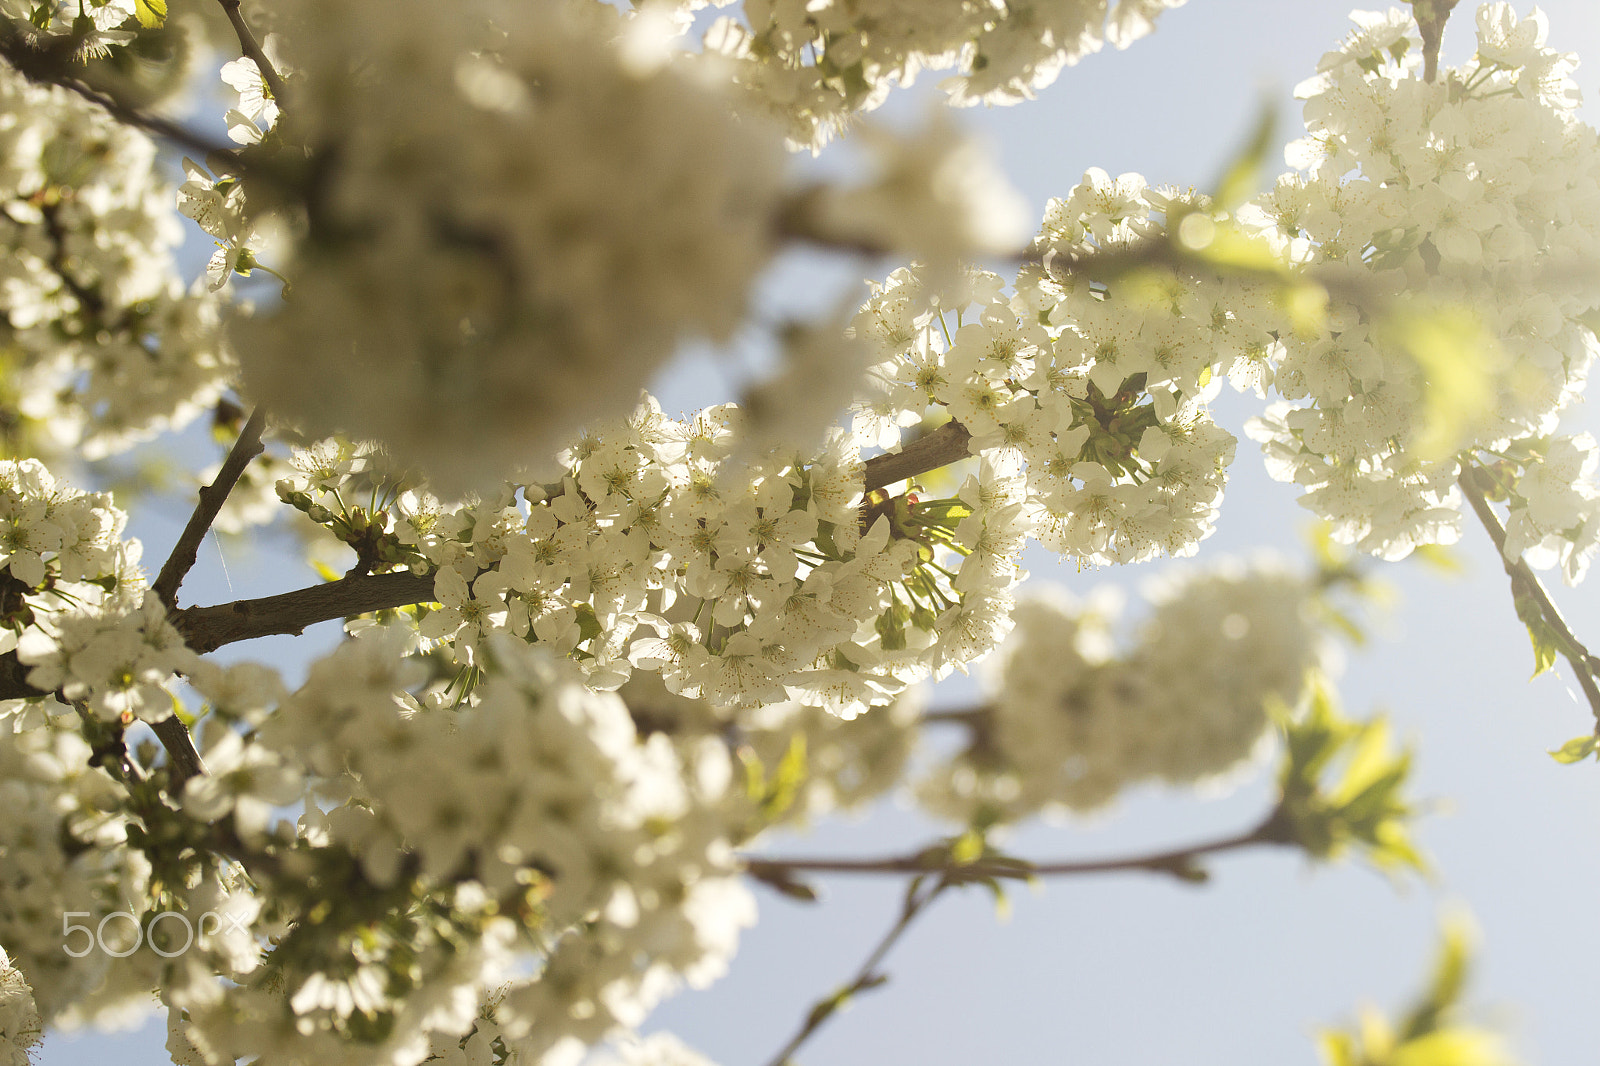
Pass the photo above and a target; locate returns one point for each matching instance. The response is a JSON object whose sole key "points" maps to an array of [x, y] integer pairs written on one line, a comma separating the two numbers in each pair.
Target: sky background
{"points": [[1135, 970]]}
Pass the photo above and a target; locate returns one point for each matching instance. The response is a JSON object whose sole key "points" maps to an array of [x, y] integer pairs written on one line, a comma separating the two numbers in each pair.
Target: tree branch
{"points": [[183, 760], [1431, 15], [54, 66], [206, 629], [1178, 862], [173, 734], [1524, 583], [250, 47], [867, 977], [212, 497], [943, 446]]}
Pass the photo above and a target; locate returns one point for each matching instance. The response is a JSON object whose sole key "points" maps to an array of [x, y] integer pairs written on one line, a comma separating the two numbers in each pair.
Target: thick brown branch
{"points": [[1524, 583], [183, 761], [212, 497], [943, 446], [209, 628]]}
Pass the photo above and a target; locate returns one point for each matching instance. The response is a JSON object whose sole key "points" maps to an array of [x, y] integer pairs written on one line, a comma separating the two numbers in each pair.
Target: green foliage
{"points": [[1427, 1034], [1546, 641], [774, 795], [1577, 749], [1341, 786], [151, 13], [1242, 178], [1459, 358]]}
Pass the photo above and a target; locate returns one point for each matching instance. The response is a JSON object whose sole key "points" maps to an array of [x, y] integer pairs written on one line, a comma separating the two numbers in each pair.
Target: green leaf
{"points": [[967, 848], [1428, 1033], [787, 778], [755, 775], [1439, 558], [1341, 786], [1576, 750], [1459, 358], [1002, 902], [1243, 176], [1346, 625], [151, 13], [1231, 250], [1546, 642]]}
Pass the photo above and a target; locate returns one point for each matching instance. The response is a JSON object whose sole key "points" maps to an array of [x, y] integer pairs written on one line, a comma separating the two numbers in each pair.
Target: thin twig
{"points": [[867, 977], [173, 734], [49, 66], [212, 497], [1179, 862], [1525, 583], [968, 716], [251, 48], [107, 748]]}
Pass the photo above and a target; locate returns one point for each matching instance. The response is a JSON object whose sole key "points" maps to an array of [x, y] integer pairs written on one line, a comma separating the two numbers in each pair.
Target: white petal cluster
{"points": [[1554, 516], [537, 798], [740, 580], [63, 848], [63, 567], [555, 218], [934, 194], [1097, 394], [818, 62], [1071, 723], [21, 1027], [105, 345], [1479, 191], [116, 662]]}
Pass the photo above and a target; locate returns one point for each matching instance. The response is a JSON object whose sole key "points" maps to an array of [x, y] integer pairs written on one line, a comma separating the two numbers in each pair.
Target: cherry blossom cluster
{"points": [[106, 346], [1478, 193], [65, 843], [462, 283], [1094, 392], [1072, 721], [742, 580], [75, 606], [467, 281], [62, 557], [21, 1027], [105, 26], [817, 64], [542, 803], [1553, 502]]}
